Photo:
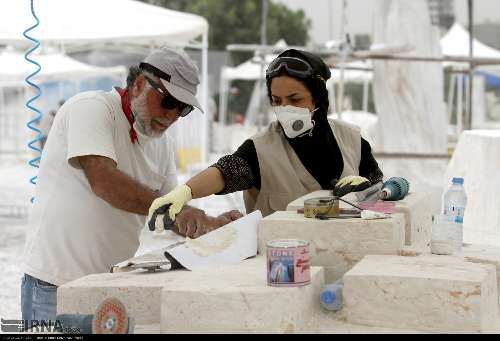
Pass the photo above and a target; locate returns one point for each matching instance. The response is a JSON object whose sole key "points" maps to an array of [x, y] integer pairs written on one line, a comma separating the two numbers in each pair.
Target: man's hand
{"points": [[190, 222], [193, 223], [227, 217]]}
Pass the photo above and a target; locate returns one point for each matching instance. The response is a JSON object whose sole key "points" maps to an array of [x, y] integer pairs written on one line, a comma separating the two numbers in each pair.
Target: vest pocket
{"points": [[279, 201]]}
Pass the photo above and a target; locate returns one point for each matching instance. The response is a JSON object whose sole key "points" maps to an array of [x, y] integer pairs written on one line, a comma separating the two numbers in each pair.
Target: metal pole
{"points": [[262, 56], [366, 90], [343, 20], [460, 98], [451, 94], [222, 97], [330, 18], [3, 127], [208, 117], [467, 101], [468, 115], [343, 59], [263, 26]]}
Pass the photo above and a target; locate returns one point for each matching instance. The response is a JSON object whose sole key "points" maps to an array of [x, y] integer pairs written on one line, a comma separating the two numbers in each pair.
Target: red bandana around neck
{"points": [[128, 112]]}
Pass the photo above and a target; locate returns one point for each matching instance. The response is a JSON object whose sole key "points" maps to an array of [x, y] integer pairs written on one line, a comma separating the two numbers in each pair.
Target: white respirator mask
{"points": [[294, 120]]}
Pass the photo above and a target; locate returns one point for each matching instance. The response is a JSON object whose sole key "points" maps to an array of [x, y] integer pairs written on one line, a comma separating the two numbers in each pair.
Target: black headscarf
{"points": [[315, 84], [319, 153]]}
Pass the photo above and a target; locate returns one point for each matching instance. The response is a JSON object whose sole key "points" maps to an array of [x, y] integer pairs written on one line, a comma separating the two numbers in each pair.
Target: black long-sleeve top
{"points": [[319, 153]]}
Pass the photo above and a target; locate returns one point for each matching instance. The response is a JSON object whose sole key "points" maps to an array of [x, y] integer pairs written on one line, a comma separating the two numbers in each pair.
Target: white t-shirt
{"points": [[72, 231], [46, 123]]}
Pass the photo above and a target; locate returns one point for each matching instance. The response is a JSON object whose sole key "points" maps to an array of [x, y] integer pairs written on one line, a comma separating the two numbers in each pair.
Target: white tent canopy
{"points": [[64, 22], [59, 78], [13, 67], [456, 43], [351, 75], [248, 70], [72, 25]]}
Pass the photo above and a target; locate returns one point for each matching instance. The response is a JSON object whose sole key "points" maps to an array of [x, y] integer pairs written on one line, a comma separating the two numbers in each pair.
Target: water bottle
{"points": [[455, 199], [331, 296], [454, 203]]}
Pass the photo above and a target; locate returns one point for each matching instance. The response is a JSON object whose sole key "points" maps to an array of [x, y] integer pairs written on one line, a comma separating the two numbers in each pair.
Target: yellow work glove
{"points": [[176, 198], [351, 183]]}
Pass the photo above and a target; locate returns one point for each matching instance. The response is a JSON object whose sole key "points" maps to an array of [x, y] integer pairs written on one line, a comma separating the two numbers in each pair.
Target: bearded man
{"points": [[105, 160]]}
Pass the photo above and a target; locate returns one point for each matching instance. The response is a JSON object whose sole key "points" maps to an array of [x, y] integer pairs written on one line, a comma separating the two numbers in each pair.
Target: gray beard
{"points": [[138, 106]]}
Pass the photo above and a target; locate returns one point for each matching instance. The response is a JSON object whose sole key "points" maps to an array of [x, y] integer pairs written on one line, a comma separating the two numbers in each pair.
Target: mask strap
{"points": [[310, 131]]}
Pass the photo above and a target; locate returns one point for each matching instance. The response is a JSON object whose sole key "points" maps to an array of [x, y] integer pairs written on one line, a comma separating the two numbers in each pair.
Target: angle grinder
{"points": [[167, 222], [110, 317]]}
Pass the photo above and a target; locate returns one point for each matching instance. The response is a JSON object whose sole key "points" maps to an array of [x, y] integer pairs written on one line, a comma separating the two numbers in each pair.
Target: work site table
{"points": [[210, 300], [336, 244], [416, 208]]}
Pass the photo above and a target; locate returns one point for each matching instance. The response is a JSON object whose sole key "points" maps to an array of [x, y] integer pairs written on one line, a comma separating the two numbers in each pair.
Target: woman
{"points": [[299, 153]]}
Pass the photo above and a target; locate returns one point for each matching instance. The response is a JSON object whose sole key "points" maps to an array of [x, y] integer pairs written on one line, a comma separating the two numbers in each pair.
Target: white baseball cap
{"points": [[177, 72]]}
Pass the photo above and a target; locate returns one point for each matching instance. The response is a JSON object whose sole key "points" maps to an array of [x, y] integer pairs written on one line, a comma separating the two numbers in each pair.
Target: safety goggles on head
{"points": [[168, 101], [293, 66]]}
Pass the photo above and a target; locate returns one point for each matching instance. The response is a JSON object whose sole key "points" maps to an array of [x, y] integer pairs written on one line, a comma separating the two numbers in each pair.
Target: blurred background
{"points": [[414, 75]]}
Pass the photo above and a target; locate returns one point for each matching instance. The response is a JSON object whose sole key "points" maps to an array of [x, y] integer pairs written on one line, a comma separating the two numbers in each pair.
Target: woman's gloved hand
{"points": [[351, 183], [177, 198]]}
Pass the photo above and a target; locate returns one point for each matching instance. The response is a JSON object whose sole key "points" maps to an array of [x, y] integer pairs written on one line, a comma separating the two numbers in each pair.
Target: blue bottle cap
{"points": [[328, 297], [459, 219], [458, 181]]}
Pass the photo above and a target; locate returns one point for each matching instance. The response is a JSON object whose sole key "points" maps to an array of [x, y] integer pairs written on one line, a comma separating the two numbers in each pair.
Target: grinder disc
{"points": [[110, 318]]}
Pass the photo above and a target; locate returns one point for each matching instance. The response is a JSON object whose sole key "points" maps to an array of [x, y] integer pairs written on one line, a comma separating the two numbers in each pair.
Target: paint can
{"points": [[327, 207], [288, 263]]}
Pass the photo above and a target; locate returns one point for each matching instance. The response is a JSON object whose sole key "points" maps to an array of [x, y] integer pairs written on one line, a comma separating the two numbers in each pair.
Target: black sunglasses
{"points": [[169, 102]]}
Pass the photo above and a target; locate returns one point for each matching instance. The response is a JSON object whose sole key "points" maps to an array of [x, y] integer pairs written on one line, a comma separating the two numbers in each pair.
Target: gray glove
{"points": [[162, 213]]}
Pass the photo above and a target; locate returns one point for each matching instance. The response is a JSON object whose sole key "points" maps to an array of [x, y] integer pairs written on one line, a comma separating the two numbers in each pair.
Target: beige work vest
{"points": [[283, 176]]}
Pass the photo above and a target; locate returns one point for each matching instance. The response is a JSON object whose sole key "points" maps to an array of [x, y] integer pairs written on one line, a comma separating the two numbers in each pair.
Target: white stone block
{"points": [[324, 322], [335, 323], [484, 254], [433, 293], [336, 244], [237, 299], [139, 291], [147, 328], [477, 159], [416, 208]]}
